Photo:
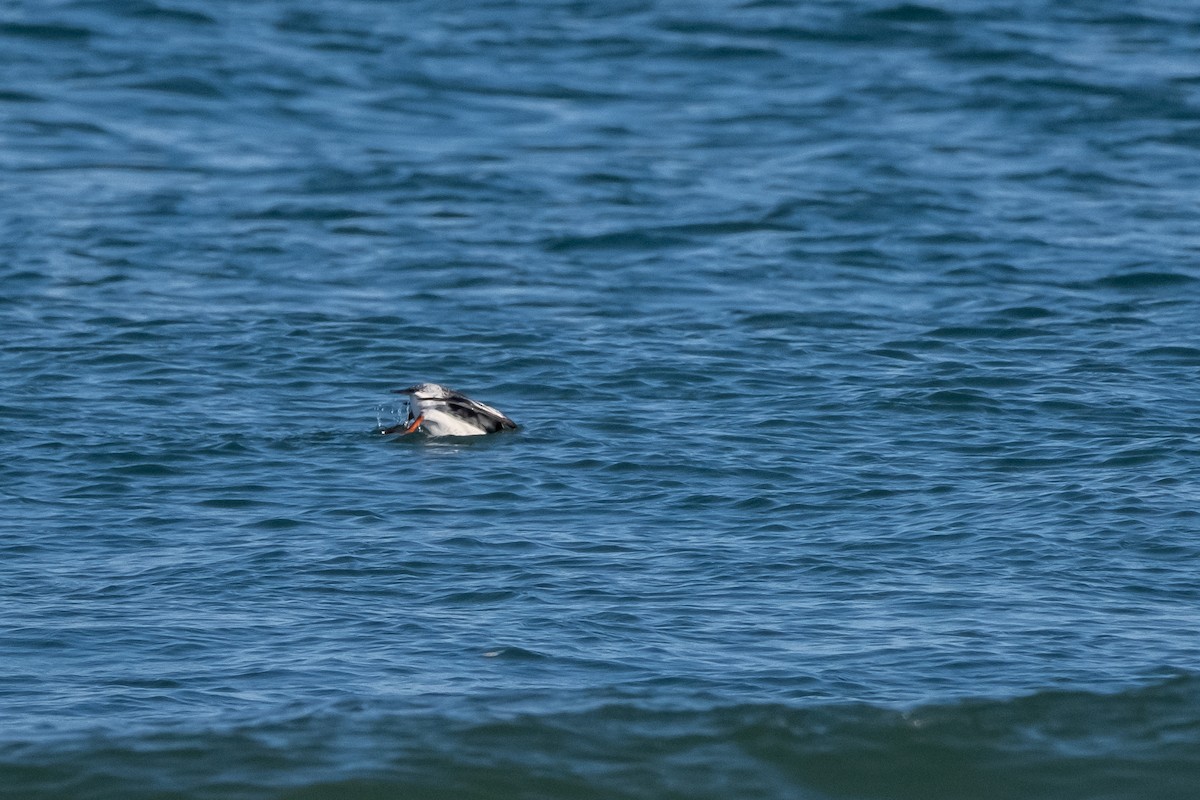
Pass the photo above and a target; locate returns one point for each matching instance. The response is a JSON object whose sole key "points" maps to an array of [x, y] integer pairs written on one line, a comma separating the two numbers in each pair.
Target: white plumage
{"points": [[439, 411]]}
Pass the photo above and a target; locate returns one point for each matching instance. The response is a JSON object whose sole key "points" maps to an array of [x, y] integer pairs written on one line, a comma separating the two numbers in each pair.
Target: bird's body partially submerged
{"points": [[439, 411]]}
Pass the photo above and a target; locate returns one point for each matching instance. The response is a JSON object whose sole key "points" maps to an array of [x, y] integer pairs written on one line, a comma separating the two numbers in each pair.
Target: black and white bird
{"points": [[439, 411]]}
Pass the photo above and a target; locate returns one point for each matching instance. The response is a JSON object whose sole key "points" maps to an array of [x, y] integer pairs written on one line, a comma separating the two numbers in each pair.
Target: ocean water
{"points": [[855, 348]]}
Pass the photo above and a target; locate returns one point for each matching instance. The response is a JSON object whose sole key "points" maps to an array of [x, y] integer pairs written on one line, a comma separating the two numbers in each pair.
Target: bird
{"points": [[440, 411]]}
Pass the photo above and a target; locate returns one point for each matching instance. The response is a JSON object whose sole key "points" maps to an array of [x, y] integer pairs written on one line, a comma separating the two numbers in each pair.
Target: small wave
{"points": [[985, 332], [155, 12], [1145, 280], [1137, 743], [514, 653], [181, 85], [47, 32], [14, 96], [910, 12], [635, 239], [1173, 354]]}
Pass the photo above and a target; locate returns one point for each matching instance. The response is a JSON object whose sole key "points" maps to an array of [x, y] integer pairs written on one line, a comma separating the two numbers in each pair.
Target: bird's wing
{"points": [[477, 411]]}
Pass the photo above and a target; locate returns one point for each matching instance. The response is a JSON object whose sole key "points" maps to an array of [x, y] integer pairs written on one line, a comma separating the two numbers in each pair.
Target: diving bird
{"points": [[439, 411]]}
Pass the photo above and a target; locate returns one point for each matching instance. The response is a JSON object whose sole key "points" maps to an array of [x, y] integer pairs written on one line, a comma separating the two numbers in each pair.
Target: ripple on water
{"points": [[852, 347]]}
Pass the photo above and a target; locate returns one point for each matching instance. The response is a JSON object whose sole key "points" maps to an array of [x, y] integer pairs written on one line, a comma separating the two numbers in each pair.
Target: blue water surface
{"points": [[854, 345]]}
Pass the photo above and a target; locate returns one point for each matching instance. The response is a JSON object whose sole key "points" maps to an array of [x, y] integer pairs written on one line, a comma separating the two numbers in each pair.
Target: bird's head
{"points": [[426, 391]]}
